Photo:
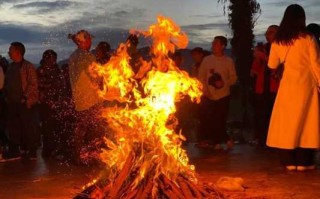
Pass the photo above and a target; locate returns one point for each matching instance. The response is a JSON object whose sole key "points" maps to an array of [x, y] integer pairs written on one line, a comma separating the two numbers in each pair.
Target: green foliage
{"points": [[242, 15]]}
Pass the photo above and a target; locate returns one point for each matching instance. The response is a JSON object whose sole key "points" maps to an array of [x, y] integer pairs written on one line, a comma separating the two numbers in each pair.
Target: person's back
{"points": [[298, 59], [294, 125]]}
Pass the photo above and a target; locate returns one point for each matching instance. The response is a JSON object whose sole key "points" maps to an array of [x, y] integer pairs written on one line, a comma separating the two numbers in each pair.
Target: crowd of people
{"points": [[58, 106], [52, 106]]}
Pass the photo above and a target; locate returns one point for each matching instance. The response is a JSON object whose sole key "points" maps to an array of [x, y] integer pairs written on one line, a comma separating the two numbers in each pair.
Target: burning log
{"points": [[173, 186], [146, 189], [197, 194], [167, 191], [121, 177], [131, 195], [185, 189]]}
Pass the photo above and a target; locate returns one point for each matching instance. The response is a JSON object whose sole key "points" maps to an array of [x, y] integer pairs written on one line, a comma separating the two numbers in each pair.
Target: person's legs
{"points": [[3, 111], [78, 136], [14, 131], [29, 131], [47, 130], [288, 158], [219, 120], [305, 158], [260, 119], [205, 117], [66, 121]]}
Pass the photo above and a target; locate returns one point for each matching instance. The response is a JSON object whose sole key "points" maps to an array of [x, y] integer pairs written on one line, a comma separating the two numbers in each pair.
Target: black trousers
{"points": [[297, 157], [21, 128], [49, 125], [213, 120], [89, 130], [3, 116], [261, 118]]}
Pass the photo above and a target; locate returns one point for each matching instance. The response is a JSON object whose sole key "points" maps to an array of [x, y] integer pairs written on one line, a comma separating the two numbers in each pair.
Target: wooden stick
{"points": [[146, 189], [121, 177], [194, 189], [131, 194], [173, 186], [97, 193], [184, 187], [169, 193]]}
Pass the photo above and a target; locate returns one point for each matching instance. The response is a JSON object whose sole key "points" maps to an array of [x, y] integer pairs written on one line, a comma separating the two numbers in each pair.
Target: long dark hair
{"points": [[292, 25]]}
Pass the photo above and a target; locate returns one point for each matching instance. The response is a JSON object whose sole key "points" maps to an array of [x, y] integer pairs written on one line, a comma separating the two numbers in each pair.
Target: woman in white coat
{"points": [[295, 122]]}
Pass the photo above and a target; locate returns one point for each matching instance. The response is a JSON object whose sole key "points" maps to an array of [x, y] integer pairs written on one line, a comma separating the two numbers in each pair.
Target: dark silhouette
{"points": [[315, 30], [21, 87], [242, 17]]}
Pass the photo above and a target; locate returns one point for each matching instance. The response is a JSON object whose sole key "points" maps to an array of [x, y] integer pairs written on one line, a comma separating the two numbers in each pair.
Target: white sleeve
{"points": [[202, 72], [274, 60]]}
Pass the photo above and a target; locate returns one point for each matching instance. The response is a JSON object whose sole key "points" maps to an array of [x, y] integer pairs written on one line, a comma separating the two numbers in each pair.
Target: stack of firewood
{"points": [[152, 186]]}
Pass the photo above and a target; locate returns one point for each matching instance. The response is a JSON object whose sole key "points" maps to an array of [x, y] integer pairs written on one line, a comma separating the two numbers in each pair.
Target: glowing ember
{"points": [[145, 155]]}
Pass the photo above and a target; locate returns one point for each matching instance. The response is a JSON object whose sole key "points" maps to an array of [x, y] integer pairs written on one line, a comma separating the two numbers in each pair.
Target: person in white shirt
{"points": [[217, 74]]}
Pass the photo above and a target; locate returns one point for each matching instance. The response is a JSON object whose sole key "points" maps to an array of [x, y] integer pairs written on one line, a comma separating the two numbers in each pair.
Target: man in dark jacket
{"points": [[21, 88]]}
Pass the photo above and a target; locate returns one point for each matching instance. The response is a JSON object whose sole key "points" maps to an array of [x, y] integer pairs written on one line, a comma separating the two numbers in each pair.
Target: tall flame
{"points": [[142, 121]]}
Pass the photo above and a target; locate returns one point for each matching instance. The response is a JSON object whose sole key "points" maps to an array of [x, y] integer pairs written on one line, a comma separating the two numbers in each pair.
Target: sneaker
{"points": [[291, 168], [306, 168], [10, 157]]}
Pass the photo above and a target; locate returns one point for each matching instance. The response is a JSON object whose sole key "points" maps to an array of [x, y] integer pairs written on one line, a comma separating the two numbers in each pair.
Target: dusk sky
{"points": [[45, 24]]}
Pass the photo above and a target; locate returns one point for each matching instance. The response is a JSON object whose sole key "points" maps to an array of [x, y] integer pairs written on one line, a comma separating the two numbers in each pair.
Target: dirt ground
{"points": [[263, 177]]}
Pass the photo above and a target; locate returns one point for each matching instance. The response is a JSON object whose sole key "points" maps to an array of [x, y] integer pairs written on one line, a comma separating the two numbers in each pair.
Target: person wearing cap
{"points": [[21, 88], [84, 90]]}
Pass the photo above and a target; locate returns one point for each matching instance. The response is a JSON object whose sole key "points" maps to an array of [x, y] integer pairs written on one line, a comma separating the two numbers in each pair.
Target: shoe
{"points": [[291, 168], [306, 168]]}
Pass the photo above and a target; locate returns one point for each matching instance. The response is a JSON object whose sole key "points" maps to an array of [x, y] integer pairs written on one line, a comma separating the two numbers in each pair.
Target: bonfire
{"points": [[144, 158]]}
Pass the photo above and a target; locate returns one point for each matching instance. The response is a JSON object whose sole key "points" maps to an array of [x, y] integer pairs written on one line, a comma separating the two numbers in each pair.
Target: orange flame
{"points": [[141, 123]]}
